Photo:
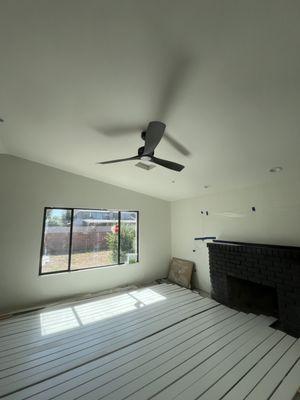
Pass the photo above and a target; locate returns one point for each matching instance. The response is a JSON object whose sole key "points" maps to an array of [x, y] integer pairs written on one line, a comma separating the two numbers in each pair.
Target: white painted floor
{"points": [[160, 342]]}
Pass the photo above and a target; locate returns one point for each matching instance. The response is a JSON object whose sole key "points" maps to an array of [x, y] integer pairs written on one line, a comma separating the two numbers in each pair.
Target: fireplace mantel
{"points": [[273, 266]]}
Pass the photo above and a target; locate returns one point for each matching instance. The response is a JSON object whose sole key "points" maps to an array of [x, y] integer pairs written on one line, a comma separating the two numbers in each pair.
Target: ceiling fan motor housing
{"points": [[141, 152]]}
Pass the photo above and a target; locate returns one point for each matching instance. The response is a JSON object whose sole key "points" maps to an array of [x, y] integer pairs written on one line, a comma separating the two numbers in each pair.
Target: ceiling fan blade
{"points": [[178, 146], [118, 130], [174, 82], [119, 160], [153, 136], [167, 164]]}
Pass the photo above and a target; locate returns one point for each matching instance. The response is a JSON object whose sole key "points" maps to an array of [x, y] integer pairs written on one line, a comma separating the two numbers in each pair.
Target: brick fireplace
{"points": [[258, 278]]}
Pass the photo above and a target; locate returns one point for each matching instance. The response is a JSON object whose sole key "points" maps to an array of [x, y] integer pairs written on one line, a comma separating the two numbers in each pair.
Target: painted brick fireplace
{"points": [[267, 274]]}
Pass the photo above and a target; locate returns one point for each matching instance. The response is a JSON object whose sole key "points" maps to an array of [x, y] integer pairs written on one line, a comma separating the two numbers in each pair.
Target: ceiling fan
{"points": [[152, 136], [156, 129]]}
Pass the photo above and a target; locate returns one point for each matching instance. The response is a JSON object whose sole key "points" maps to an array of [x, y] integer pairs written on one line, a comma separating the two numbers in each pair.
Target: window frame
{"points": [[41, 273]]}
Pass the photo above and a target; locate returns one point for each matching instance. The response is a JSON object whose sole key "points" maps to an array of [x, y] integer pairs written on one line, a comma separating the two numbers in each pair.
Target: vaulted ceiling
{"points": [[81, 79]]}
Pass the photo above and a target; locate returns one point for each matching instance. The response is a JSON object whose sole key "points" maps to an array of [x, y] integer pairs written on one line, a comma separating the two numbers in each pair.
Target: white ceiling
{"points": [[71, 71]]}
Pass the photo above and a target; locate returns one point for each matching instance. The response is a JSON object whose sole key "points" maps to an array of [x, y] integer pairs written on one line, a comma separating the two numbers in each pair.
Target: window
{"points": [[75, 239]]}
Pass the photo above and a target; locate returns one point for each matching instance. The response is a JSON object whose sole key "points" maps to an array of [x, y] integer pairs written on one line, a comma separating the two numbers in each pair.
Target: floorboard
{"points": [[160, 342]]}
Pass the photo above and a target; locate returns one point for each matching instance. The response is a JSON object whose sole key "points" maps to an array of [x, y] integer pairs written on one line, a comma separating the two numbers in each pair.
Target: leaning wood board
{"points": [[159, 342]]}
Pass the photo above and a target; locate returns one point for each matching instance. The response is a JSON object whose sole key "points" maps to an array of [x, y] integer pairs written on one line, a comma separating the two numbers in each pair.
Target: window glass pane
{"points": [[128, 237], [94, 239], [55, 253]]}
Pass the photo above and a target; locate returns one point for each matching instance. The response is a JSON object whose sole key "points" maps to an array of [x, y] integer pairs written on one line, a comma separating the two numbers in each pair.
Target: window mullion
{"points": [[119, 237], [71, 240]]}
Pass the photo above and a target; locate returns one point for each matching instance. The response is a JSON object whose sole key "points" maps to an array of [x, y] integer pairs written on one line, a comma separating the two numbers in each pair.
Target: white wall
{"points": [[25, 189], [276, 221]]}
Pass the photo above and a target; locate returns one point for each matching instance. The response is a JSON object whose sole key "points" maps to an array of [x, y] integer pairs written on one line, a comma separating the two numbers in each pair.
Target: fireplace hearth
{"points": [[258, 278]]}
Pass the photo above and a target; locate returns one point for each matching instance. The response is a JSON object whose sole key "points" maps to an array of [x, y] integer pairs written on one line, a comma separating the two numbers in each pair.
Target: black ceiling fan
{"points": [[152, 136], [169, 95]]}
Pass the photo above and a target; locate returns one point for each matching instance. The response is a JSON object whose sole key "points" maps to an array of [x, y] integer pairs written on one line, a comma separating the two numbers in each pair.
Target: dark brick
{"points": [[273, 266]]}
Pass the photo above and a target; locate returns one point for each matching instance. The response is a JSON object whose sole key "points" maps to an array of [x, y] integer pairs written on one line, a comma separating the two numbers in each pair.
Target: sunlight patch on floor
{"points": [[58, 320], [96, 310]]}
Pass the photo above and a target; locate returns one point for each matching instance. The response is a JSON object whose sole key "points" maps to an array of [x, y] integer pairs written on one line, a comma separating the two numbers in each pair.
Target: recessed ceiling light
{"points": [[276, 169]]}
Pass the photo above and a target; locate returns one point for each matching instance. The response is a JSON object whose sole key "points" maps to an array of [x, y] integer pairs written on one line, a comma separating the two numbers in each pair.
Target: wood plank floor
{"points": [[160, 342]]}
